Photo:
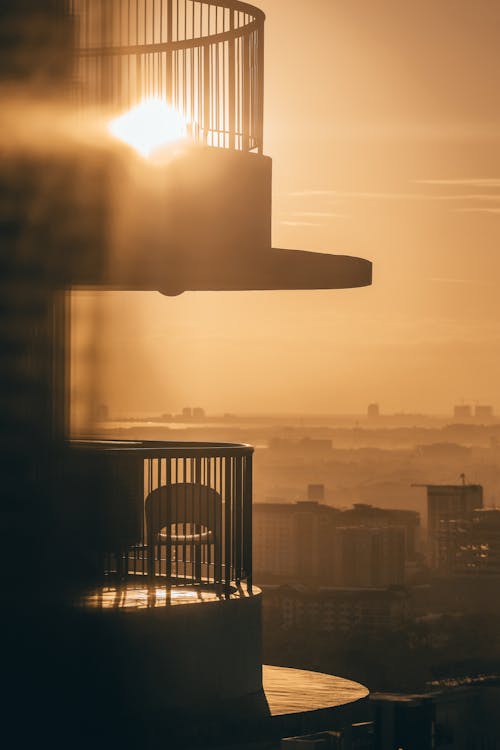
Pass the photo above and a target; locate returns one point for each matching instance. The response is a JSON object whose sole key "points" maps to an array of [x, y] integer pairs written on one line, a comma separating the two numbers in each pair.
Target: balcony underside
{"points": [[279, 269]]}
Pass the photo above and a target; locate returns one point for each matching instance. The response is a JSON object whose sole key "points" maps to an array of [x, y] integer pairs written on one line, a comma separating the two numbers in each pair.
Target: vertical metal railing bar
{"points": [[210, 68], [260, 88], [162, 514], [249, 520], [201, 516], [216, 89], [219, 81], [231, 82], [168, 526], [206, 482], [173, 510], [102, 87], [256, 88], [219, 547], [192, 91], [246, 94], [199, 86], [238, 518], [158, 523], [150, 538], [183, 514], [206, 92], [168, 54], [190, 514], [227, 526], [138, 77], [211, 516]]}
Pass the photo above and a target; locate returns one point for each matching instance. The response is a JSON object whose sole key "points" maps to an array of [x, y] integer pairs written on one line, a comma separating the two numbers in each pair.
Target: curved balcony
{"points": [[203, 57], [168, 515]]}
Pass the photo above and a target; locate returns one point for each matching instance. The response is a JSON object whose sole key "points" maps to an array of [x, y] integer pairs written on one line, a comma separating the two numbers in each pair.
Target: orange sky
{"points": [[382, 119]]}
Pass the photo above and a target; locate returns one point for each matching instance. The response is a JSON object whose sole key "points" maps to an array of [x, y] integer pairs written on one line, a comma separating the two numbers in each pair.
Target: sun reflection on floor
{"points": [[134, 596]]}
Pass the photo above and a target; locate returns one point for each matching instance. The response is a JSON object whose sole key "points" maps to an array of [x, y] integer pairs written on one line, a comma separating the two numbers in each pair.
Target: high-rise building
{"points": [[373, 411], [447, 502], [291, 541], [363, 514], [274, 532], [312, 542], [470, 545], [132, 617], [365, 556]]}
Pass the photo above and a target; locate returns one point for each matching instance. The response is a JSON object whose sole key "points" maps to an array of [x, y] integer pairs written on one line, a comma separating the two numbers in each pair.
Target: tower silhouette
{"points": [[132, 617]]}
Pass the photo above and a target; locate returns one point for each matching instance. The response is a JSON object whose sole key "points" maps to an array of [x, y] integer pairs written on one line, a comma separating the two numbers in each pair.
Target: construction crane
{"points": [[417, 484]]}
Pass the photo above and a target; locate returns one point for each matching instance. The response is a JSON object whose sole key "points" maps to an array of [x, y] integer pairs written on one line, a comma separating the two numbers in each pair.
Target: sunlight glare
{"points": [[149, 126]]}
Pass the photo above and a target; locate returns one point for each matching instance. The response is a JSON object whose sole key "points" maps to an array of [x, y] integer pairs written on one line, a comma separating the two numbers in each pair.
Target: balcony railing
{"points": [[169, 514], [204, 57]]}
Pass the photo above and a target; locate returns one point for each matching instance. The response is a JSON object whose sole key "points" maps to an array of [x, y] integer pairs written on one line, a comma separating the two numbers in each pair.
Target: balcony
{"points": [[204, 57], [167, 522]]}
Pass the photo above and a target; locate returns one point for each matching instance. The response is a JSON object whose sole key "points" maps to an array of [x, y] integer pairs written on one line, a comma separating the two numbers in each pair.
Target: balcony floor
{"points": [[133, 595]]}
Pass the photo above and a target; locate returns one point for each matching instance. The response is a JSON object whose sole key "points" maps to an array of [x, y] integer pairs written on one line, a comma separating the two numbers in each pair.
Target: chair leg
{"points": [[150, 558]]}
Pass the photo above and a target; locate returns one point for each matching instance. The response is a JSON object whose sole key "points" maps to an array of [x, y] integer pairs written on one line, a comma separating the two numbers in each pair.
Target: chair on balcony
{"points": [[179, 505]]}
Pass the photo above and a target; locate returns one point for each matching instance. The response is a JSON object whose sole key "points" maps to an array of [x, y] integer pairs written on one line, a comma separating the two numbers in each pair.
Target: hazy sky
{"points": [[382, 118]]}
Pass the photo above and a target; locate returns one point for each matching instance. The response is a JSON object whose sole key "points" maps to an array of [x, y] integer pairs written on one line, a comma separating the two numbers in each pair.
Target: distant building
{"points": [[310, 542], [198, 412], [274, 549], [448, 502], [363, 514], [335, 609], [316, 492], [366, 556], [483, 411], [455, 718], [187, 412], [373, 411], [462, 411], [470, 546]]}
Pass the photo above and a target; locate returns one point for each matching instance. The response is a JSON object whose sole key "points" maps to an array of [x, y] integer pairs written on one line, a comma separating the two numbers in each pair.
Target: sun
{"points": [[148, 126]]}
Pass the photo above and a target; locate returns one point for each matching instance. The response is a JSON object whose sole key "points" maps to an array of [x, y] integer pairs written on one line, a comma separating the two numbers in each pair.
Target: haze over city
{"points": [[384, 136]]}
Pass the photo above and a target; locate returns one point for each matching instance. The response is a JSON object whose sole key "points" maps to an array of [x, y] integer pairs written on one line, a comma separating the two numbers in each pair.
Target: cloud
{"points": [[336, 194], [300, 223], [320, 214], [306, 193], [481, 282], [464, 181], [475, 210]]}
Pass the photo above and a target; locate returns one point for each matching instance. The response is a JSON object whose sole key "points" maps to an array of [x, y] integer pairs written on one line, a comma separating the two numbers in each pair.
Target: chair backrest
{"points": [[184, 502]]}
